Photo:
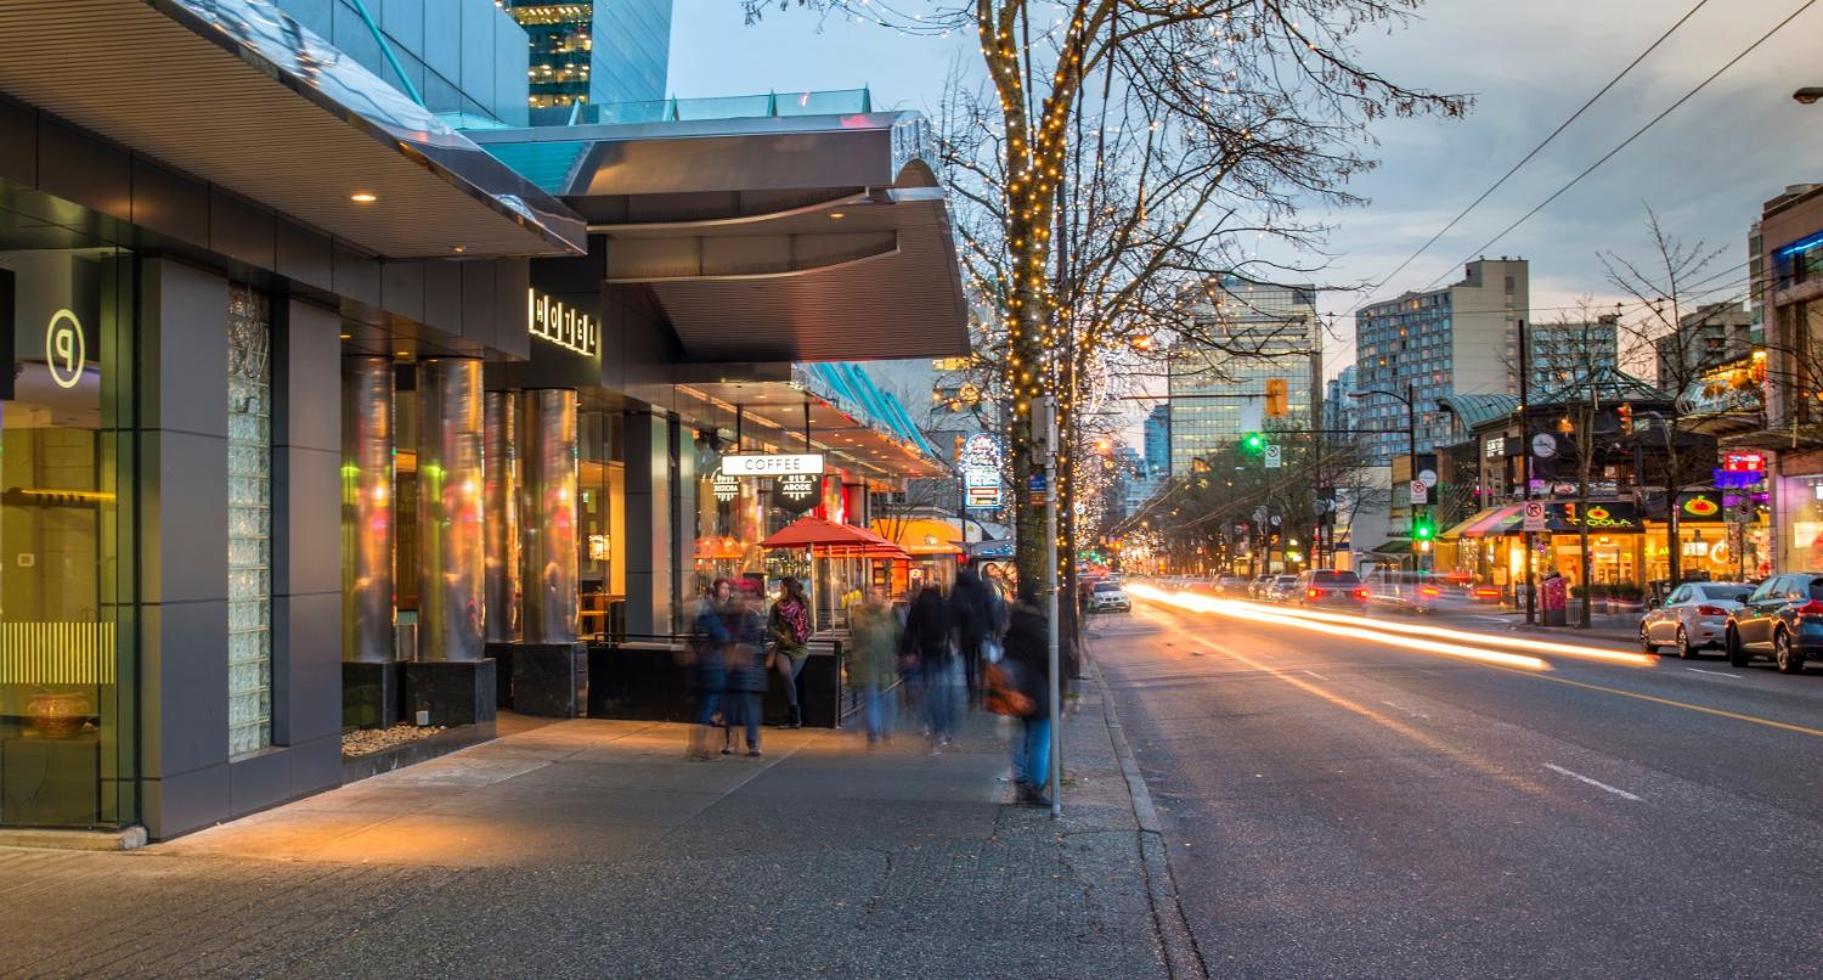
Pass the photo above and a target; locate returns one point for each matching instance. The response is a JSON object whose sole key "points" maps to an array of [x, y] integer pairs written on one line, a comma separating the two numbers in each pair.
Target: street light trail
{"points": [[1237, 610], [1482, 639]]}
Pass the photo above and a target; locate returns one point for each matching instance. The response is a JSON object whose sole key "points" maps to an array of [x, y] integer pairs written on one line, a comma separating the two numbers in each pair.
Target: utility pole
{"points": [[1525, 448], [1047, 425]]}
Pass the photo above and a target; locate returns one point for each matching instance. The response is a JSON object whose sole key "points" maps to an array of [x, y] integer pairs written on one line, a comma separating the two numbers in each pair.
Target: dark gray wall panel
{"points": [[184, 686], [307, 629], [241, 230], [443, 296], [402, 288], [307, 515], [512, 278], [82, 168], [184, 375], [305, 256], [18, 143], [184, 507], [257, 782], [184, 802], [308, 381], [478, 314], [170, 203], [357, 276]]}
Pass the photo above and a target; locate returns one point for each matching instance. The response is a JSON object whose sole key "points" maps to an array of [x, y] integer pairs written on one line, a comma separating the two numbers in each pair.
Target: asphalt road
{"points": [[1336, 806]]}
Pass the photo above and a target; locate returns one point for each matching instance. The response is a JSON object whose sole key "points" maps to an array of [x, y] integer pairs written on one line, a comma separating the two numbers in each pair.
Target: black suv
{"points": [[1782, 619]]}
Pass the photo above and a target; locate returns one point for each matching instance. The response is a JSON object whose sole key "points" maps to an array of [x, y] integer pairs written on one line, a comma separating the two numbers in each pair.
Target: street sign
{"points": [[1274, 456], [1429, 477], [1421, 492], [1534, 516], [984, 498]]}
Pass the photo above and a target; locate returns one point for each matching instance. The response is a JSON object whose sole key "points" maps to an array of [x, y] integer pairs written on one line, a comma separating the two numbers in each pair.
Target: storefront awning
{"points": [[802, 238], [238, 93], [923, 537], [1395, 547], [1489, 521]]}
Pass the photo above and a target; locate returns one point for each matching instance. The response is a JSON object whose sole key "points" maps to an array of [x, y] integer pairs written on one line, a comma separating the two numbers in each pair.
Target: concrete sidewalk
{"points": [[592, 848]]}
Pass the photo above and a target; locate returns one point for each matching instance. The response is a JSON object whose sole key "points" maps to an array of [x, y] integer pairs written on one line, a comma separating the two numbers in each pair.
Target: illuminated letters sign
{"points": [[724, 487], [561, 324], [769, 464], [980, 464], [64, 351]]}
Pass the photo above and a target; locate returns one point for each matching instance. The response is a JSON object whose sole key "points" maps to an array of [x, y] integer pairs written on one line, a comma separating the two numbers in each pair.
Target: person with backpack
{"points": [[789, 627]]}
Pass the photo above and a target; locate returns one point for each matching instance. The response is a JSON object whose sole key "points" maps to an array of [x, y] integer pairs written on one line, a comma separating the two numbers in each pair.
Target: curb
{"points": [[1182, 957], [129, 839]]}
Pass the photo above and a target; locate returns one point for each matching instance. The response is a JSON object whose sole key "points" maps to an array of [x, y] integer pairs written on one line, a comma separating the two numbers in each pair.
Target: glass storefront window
{"points": [[66, 733], [1800, 501]]}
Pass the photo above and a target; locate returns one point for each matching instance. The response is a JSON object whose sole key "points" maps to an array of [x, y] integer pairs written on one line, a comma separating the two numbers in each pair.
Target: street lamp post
{"points": [[1409, 400]]}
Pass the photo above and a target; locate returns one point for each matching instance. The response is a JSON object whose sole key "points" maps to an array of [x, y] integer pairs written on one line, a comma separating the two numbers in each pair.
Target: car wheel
{"points": [[1787, 656], [1684, 649], [1645, 640], [1737, 654]]}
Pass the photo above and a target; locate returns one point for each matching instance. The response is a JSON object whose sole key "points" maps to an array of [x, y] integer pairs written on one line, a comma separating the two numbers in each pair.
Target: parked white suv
{"points": [[1106, 596]]}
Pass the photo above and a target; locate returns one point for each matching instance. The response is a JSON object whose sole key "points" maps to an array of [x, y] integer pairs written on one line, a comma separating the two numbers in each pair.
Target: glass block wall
{"points": [[249, 521]]}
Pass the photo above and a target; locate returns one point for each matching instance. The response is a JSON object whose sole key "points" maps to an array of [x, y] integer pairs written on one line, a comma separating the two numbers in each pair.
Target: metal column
{"points": [[451, 547], [547, 439], [367, 509], [500, 422]]}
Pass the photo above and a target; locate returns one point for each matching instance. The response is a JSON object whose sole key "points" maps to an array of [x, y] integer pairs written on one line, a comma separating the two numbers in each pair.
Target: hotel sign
{"points": [[556, 322], [773, 464]]}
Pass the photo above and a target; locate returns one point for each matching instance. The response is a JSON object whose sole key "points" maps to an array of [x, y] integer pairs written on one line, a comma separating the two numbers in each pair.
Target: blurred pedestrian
{"points": [[789, 625], [708, 666], [1028, 653], [970, 612], [874, 664], [927, 636], [745, 689]]}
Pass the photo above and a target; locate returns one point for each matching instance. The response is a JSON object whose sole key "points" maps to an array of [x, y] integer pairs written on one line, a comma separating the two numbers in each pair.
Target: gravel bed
{"points": [[366, 741]]}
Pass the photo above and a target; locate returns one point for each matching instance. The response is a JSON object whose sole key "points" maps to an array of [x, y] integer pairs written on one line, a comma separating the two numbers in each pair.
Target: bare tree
{"points": [[1232, 113], [1667, 286]]}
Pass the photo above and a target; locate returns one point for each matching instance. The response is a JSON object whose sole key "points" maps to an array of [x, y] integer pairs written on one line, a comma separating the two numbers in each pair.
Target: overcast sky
{"points": [[1706, 168]]}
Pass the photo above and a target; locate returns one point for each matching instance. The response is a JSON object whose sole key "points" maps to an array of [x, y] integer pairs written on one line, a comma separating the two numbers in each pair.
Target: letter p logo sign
{"points": [[64, 351]]}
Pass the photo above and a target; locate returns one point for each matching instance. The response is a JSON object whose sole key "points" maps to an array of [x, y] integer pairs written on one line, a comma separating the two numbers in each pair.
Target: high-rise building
{"points": [[1713, 334], [1258, 356], [1564, 351], [1460, 339], [593, 53], [1158, 439], [1339, 408]]}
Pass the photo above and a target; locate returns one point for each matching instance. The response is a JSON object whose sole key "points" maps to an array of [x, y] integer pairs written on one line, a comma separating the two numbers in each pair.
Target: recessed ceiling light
{"points": [[363, 197], [459, 249], [346, 336], [404, 353], [837, 215]]}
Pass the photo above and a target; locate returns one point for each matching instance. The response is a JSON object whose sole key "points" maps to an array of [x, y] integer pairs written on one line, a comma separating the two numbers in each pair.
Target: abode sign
{"points": [[557, 322]]}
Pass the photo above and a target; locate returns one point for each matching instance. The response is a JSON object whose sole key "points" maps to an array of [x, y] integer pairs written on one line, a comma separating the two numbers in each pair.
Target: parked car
{"points": [[1229, 585], [1328, 587], [1781, 619], [1109, 596], [1281, 588], [1260, 585], [1693, 617]]}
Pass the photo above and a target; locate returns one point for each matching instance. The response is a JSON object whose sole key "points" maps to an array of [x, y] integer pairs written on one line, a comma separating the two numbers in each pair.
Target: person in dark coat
{"points": [[745, 689], [1027, 647], [927, 637], [972, 614], [708, 666]]}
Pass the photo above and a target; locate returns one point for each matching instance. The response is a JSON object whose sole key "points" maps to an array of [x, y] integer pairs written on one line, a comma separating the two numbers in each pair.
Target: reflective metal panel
{"points": [[502, 517], [451, 539], [547, 427], [367, 509]]}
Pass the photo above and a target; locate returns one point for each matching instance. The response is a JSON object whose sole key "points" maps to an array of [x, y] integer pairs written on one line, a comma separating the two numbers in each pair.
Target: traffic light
{"points": [[1422, 527], [1625, 413], [1278, 398], [1253, 443]]}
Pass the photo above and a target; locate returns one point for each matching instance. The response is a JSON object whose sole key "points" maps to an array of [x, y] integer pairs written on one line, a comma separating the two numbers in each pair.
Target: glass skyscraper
{"points": [[594, 53], [1259, 339]]}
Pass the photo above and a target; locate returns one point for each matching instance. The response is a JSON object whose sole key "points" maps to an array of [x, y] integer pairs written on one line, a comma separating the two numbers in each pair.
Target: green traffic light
{"points": [[1253, 442]]}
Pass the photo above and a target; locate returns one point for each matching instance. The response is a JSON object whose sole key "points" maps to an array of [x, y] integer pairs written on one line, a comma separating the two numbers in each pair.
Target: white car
{"points": [[1692, 617], [1107, 596]]}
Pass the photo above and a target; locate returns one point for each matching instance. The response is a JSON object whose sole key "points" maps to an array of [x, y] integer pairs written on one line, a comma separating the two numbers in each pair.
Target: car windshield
{"points": [[1108, 587]]}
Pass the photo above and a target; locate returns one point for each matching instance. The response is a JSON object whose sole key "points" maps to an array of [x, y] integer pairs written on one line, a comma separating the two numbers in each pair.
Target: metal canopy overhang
{"points": [[236, 92], [814, 238], [773, 412]]}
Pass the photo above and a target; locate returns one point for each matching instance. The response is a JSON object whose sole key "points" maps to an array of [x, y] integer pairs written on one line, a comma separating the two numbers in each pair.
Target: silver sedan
{"points": [[1693, 616]]}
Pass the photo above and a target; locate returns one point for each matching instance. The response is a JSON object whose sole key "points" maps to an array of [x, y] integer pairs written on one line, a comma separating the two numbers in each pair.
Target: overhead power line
{"points": [[1591, 168], [1496, 185]]}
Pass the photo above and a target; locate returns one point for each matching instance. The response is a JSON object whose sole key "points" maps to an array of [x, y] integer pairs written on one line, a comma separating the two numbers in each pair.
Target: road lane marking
{"points": [[1316, 675], [1713, 673], [1409, 711], [1598, 784], [1668, 702]]}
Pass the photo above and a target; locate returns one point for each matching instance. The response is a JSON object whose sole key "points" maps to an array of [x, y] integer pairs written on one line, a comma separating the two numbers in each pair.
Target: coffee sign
{"points": [[797, 492]]}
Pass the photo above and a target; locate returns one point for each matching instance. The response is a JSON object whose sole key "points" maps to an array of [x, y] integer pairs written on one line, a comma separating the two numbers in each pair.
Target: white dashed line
{"points": [[1316, 675], [1713, 673], [1598, 784]]}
